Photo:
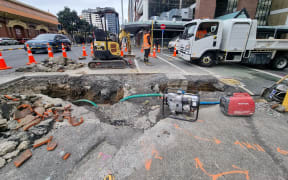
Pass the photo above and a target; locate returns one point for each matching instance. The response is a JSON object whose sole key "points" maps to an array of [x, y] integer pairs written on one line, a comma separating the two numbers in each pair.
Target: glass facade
{"points": [[225, 7], [156, 7], [263, 11]]}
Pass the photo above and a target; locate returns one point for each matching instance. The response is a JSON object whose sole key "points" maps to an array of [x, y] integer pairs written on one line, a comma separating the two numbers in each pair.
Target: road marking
{"points": [[215, 75], [265, 72], [137, 66], [207, 71], [180, 69], [247, 90]]}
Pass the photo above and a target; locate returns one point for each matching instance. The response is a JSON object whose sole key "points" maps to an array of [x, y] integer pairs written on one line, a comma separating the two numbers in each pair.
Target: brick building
{"points": [[19, 20]]}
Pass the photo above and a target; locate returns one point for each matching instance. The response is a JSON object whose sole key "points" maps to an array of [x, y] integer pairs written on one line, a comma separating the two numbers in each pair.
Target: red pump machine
{"points": [[240, 104]]}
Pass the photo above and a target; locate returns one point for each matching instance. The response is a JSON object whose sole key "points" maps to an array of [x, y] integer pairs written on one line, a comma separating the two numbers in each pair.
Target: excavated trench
{"points": [[107, 90]]}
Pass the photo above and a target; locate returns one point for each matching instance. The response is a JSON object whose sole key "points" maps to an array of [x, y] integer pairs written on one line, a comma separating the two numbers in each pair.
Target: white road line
{"points": [[137, 66], [215, 75], [180, 69], [247, 90], [207, 71], [265, 72]]}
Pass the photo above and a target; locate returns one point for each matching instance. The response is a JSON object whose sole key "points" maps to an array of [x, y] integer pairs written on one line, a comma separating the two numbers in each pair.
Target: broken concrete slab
{"points": [[2, 162], [23, 145], [39, 111], [31, 124], [11, 154], [3, 124], [7, 146]]}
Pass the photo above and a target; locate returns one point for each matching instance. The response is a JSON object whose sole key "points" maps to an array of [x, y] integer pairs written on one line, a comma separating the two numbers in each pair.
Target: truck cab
{"points": [[200, 37], [209, 41]]}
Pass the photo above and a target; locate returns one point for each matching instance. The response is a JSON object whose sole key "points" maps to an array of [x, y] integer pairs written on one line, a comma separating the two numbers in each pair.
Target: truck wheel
{"points": [[207, 60], [280, 63]]}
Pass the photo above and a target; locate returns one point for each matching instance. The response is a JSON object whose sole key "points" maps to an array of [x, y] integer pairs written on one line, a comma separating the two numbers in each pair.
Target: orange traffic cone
{"points": [[64, 51], [122, 53], [84, 54], [50, 53], [154, 52], [159, 48], [91, 49], [142, 49], [3, 65], [30, 56], [126, 47], [175, 53]]}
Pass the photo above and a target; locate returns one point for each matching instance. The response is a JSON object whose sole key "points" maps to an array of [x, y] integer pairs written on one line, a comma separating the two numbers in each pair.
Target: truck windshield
{"points": [[189, 30]]}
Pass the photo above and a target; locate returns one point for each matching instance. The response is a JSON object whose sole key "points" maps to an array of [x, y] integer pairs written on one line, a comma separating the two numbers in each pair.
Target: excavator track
{"points": [[108, 64]]}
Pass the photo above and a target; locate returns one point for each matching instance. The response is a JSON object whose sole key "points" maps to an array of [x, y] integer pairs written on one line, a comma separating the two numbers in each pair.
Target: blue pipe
{"points": [[140, 95], [209, 103], [86, 100]]}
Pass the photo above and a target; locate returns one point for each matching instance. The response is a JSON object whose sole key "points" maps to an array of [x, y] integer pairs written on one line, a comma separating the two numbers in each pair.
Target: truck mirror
{"points": [[213, 29]]}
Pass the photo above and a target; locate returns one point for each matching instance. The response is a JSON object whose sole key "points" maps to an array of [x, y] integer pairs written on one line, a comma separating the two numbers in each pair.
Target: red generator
{"points": [[240, 104]]}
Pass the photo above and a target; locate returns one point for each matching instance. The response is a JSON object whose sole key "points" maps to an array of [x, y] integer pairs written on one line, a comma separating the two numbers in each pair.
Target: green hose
{"points": [[140, 95], [86, 100]]}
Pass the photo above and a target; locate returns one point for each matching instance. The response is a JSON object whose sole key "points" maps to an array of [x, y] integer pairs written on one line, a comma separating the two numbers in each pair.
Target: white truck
{"points": [[210, 41]]}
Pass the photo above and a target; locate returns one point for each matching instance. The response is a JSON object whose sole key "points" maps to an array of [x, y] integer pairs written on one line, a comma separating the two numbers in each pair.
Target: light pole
{"points": [[122, 12]]}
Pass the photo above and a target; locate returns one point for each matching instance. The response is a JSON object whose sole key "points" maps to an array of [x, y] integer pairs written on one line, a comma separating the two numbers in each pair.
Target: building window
{"points": [[231, 6], [263, 11]]}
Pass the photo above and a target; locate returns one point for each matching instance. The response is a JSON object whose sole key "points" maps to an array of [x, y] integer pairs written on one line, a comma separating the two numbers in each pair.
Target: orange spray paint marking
{"points": [[259, 148], [187, 132], [249, 146], [237, 142], [154, 151], [148, 164], [216, 176], [282, 151], [176, 126], [202, 139], [217, 141], [200, 120]]}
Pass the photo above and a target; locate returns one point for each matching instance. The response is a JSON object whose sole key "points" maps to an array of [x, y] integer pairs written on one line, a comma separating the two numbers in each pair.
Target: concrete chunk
{"points": [[7, 146]]}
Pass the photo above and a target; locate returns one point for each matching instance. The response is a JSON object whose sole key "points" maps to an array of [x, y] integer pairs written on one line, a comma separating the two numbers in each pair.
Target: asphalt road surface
{"points": [[250, 78]]}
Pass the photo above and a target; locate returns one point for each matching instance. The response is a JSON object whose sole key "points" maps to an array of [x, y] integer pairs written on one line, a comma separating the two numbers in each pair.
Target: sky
{"points": [[54, 6]]}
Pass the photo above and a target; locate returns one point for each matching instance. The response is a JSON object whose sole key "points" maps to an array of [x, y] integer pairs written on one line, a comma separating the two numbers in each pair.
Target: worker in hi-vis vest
{"points": [[146, 45]]}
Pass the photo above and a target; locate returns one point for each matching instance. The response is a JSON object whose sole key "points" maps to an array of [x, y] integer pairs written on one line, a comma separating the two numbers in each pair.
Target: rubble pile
{"points": [[24, 121], [57, 64]]}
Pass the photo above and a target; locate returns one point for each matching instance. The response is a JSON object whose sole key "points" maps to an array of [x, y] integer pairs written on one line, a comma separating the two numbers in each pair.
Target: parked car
{"points": [[39, 43], [8, 41], [23, 40], [174, 41]]}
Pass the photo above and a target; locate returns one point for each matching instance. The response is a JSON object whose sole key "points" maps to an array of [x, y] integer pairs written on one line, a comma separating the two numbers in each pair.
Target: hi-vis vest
{"points": [[146, 41]]}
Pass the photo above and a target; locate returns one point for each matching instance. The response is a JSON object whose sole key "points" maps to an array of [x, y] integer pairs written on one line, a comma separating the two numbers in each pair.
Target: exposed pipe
{"points": [[140, 95], [86, 100]]}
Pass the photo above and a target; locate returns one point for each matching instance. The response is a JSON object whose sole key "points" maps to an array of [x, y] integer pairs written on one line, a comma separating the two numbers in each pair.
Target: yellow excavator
{"points": [[106, 46]]}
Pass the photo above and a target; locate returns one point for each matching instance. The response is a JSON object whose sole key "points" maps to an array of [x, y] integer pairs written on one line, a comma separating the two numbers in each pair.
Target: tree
{"points": [[72, 23], [69, 20]]}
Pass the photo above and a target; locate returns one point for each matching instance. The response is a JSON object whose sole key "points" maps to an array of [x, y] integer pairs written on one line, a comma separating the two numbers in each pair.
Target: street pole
{"points": [[122, 12], [180, 5], [162, 40]]}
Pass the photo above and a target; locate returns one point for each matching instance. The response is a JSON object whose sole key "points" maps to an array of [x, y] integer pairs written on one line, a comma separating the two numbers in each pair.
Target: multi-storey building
{"points": [[19, 20], [110, 15], [143, 10]]}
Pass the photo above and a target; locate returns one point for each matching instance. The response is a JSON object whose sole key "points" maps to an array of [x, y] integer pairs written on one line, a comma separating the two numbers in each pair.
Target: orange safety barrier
{"points": [[64, 51], [175, 53], [84, 54], [30, 56], [50, 53], [3, 65]]}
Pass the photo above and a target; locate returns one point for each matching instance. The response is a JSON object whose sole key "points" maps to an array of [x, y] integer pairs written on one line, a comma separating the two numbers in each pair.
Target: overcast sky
{"points": [[54, 6]]}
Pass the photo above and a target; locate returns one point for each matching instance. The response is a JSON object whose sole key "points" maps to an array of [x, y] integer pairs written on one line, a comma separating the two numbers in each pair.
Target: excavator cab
{"points": [[106, 46]]}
